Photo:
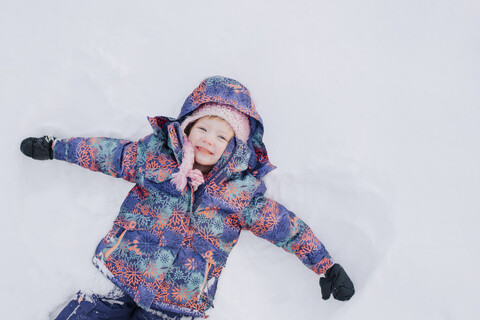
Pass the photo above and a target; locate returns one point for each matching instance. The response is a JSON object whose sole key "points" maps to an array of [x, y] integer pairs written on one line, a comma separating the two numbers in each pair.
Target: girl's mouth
{"points": [[203, 150]]}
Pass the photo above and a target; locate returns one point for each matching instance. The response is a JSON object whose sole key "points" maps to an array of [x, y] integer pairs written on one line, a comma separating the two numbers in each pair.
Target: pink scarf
{"points": [[186, 169]]}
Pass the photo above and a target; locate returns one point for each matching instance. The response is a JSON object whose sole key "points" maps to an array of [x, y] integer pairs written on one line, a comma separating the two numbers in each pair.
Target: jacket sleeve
{"points": [[270, 220], [113, 157]]}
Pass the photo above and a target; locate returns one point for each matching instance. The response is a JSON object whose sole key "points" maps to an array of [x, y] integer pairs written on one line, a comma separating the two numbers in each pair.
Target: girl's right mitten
{"points": [[38, 148], [338, 283]]}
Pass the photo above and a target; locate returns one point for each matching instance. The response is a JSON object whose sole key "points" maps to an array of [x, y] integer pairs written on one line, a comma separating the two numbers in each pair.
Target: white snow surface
{"points": [[371, 113]]}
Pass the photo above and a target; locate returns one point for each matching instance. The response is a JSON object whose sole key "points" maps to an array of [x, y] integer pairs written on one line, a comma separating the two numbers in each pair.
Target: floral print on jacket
{"points": [[167, 248]]}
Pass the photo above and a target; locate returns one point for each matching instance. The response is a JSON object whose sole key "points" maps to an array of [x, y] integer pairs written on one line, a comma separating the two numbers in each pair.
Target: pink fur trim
{"points": [[179, 179], [196, 178]]}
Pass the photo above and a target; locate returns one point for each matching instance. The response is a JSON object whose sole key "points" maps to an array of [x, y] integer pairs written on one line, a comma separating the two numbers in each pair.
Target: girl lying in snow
{"points": [[198, 184]]}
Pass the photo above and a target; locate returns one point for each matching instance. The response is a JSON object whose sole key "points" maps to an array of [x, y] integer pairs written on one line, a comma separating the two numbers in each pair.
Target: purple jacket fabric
{"points": [[167, 248]]}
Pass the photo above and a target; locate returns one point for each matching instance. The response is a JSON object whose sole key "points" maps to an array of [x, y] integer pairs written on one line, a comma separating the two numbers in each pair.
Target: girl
{"points": [[198, 184]]}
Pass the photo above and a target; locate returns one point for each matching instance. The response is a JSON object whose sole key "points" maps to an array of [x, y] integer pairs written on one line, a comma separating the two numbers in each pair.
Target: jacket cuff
{"points": [[322, 266], [60, 149]]}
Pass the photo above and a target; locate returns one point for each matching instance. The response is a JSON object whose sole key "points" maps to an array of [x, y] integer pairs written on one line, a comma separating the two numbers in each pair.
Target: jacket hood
{"points": [[222, 90]]}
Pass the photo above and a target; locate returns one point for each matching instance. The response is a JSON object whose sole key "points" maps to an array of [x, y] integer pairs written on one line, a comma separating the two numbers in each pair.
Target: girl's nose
{"points": [[207, 140]]}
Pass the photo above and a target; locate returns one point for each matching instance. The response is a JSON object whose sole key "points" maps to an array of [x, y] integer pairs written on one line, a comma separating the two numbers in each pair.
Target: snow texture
{"points": [[372, 114]]}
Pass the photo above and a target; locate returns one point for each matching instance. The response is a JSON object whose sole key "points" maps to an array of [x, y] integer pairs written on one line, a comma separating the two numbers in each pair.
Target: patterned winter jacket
{"points": [[167, 248]]}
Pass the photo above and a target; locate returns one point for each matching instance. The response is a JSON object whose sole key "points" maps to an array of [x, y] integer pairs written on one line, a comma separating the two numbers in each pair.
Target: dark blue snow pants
{"points": [[92, 306]]}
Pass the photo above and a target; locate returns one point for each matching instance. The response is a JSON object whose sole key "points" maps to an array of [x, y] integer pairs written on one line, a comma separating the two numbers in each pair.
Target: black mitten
{"points": [[38, 148], [338, 283]]}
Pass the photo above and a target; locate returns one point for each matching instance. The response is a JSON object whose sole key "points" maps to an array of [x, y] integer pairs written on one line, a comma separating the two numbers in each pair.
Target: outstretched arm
{"points": [[270, 220], [113, 157]]}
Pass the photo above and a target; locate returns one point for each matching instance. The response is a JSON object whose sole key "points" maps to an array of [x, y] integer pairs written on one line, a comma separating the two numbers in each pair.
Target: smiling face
{"points": [[209, 137]]}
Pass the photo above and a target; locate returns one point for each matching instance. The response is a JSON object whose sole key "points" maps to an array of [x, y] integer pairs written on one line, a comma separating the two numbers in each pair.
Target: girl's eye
{"points": [[223, 138], [202, 128]]}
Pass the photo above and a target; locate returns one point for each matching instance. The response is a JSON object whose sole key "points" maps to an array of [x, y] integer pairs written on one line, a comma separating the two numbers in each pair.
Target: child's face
{"points": [[209, 136]]}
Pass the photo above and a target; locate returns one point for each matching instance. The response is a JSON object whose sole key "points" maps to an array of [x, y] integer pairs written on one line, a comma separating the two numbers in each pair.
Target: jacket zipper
{"points": [[207, 271], [109, 251], [192, 200], [209, 265]]}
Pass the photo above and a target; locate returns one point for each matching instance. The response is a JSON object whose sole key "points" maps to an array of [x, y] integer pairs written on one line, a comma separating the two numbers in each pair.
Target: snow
{"points": [[371, 110]]}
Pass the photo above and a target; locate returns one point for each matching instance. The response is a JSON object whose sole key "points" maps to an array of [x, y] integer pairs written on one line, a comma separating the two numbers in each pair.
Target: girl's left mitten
{"points": [[38, 148], [337, 283]]}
